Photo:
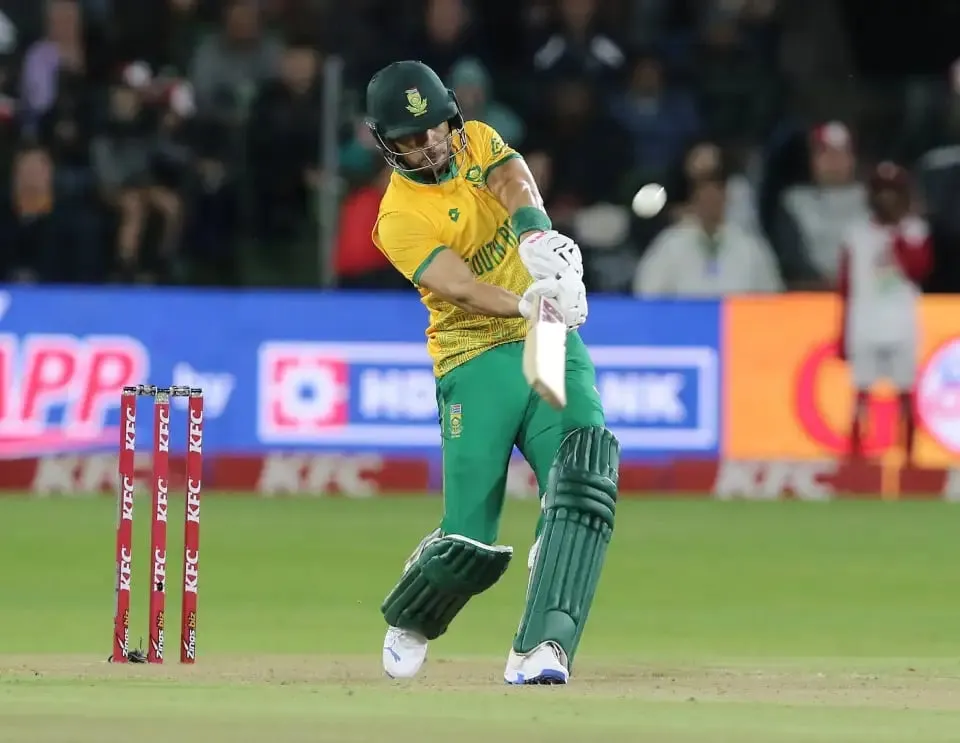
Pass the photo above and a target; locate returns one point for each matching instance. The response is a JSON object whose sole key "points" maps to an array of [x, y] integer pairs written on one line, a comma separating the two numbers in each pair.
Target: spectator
{"points": [[65, 131], [33, 237], [816, 57], [59, 58], [9, 58], [578, 47], [737, 87], [172, 160], [124, 160], [359, 263], [447, 36], [580, 147], [284, 133], [700, 161], [647, 21], [359, 157], [213, 230], [759, 27], [471, 82], [229, 65], [9, 139], [704, 256], [814, 217], [939, 176], [46, 239], [885, 259], [535, 18], [703, 159], [661, 121], [162, 33], [173, 154]]}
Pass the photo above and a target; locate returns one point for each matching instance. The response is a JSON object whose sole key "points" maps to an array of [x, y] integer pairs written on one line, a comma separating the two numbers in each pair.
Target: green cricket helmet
{"points": [[406, 98]]}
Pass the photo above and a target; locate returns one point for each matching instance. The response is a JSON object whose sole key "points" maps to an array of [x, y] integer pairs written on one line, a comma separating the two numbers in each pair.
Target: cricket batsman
{"points": [[883, 263], [464, 221]]}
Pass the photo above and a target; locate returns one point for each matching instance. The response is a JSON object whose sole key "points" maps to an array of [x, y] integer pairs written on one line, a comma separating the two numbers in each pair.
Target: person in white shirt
{"points": [[884, 259], [813, 217], [703, 255]]}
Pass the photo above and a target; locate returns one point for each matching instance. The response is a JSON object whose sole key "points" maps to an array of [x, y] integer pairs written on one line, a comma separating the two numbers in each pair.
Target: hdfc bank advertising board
{"points": [[333, 393], [661, 390]]}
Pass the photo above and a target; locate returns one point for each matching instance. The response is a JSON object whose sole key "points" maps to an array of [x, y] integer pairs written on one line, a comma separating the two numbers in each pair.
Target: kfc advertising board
{"points": [[788, 395]]}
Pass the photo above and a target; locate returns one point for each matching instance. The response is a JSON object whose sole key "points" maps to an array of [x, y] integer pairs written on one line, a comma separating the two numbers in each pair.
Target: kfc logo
{"points": [[814, 415]]}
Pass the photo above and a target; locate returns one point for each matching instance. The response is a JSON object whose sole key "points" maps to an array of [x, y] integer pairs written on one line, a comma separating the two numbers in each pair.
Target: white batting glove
{"points": [[551, 255], [569, 294]]}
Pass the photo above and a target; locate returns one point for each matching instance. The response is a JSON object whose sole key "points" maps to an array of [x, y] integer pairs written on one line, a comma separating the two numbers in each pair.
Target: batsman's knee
{"points": [[442, 575], [586, 473]]}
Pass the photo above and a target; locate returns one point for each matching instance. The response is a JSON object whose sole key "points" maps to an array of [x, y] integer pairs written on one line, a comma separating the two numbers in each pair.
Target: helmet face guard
{"points": [[456, 140], [386, 132]]}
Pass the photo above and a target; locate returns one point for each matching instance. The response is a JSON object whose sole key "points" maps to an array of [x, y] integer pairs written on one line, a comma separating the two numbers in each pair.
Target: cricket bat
{"points": [[545, 353]]}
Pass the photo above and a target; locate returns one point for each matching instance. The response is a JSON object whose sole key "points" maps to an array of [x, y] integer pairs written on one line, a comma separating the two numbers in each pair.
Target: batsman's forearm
{"points": [[516, 189], [450, 278], [523, 202], [521, 192], [485, 299]]}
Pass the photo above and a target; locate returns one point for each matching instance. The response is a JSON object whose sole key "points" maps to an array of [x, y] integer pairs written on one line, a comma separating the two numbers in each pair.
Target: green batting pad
{"points": [[578, 515], [448, 572]]}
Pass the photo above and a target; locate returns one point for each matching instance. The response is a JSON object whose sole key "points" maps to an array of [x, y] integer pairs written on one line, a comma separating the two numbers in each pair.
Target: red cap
{"points": [[832, 135], [889, 175]]}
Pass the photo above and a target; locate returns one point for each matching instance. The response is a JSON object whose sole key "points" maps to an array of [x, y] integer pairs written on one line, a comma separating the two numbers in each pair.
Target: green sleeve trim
{"points": [[528, 219], [425, 264], [498, 163]]}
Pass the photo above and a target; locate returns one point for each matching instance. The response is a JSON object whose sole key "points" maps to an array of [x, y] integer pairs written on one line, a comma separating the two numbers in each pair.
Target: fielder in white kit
{"points": [[883, 263]]}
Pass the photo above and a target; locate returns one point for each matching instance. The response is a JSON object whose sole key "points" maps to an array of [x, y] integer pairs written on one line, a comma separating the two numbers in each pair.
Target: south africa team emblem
{"points": [[416, 104], [456, 421]]}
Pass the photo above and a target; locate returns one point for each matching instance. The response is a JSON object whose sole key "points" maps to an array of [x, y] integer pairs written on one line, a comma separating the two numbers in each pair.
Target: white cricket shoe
{"points": [[403, 653], [545, 664]]}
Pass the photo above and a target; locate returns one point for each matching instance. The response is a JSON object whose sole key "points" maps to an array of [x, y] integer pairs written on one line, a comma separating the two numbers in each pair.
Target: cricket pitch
{"points": [[330, 698]]}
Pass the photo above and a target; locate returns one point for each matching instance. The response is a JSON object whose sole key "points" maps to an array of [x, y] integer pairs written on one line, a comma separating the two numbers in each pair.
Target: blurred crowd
{"points": [[221, 141]]}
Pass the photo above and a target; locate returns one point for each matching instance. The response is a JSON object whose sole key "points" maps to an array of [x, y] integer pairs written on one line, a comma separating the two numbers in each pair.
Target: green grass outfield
{"points": [[715, 622]]}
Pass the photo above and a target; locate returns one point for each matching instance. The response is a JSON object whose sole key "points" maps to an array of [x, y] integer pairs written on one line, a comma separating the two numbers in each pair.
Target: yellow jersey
{"points": [[417, 220]]}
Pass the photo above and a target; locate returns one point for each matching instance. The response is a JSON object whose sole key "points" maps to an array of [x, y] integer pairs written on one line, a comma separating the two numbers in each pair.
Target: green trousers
{"points": [[487, 408]]}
